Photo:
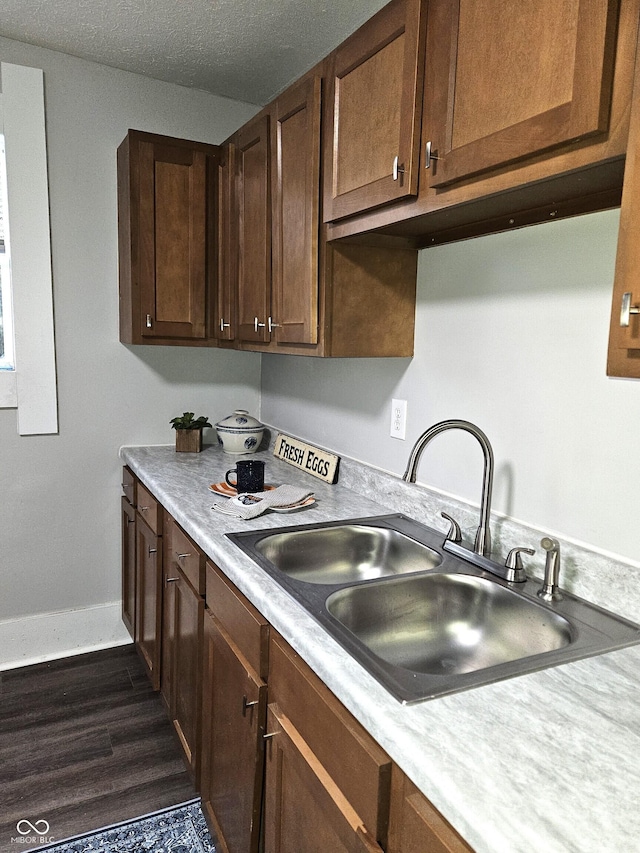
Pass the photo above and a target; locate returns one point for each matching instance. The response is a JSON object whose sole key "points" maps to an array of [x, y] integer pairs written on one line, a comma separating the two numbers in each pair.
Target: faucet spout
{"points": [[482, 543]]}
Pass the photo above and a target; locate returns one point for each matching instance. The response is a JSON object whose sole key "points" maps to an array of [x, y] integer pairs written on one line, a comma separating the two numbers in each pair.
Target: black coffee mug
{"points": [[249, 475]]}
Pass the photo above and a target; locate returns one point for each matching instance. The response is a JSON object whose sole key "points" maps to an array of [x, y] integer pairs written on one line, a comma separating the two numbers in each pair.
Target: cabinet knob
{"points": [[397, 169], [223, 325], [429, 155], [626, 309]]}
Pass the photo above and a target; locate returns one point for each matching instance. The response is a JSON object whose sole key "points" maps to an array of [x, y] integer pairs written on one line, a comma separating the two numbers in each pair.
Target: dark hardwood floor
{"points": [[84, 743]]}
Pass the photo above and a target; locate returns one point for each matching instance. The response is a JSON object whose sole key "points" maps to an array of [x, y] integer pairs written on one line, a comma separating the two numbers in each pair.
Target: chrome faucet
{"points": [[482, 543]]}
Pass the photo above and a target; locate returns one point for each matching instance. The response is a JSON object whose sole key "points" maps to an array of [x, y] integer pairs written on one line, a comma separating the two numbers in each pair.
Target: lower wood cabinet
{"points": [[321, 764], [305, 810], [128, 521], [415, 825], [234, 708], [281, 764], [182, 644], [148, 598], [234, 704]]}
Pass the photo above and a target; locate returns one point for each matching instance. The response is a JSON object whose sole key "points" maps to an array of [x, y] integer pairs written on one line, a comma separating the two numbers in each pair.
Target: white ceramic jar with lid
{"points": [[240, 432]]}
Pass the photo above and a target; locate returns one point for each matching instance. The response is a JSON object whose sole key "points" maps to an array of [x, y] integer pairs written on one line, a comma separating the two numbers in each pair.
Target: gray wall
{"points": [[59, 517], [511, 333]]}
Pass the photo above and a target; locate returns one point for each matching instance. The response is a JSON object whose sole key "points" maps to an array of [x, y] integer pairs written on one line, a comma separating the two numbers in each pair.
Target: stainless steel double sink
{"points": [[420, 620]]}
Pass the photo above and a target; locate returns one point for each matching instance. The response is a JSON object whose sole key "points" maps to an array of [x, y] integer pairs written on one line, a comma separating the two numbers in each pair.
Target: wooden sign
{"points": [[308, 458]]}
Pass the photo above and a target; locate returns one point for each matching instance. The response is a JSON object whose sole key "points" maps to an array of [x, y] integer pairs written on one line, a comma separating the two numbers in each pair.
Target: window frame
{"points": [[31, 387]]}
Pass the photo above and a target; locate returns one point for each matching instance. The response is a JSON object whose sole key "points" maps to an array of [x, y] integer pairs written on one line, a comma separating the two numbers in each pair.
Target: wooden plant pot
{"points": [[188, 440]]}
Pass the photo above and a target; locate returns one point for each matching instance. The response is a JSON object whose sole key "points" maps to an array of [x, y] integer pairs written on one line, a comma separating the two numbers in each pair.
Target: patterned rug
{"points": [[179, 829]]}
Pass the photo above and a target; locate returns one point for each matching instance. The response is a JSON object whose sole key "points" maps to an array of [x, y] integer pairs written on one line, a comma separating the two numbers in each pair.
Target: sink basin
{"points": [[346, 553], [447, 623], [420, 619]]}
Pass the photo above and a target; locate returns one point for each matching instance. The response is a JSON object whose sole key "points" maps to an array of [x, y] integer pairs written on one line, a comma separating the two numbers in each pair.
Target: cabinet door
{"points": [[253, 199], [624, 331], [187, 665], [373, 131], [234, 710], [173, 215], [128, 514], [170, 578], [305, 812], [296, 190], [506, 81], [148, 599], [225, 237], [416, 826]]}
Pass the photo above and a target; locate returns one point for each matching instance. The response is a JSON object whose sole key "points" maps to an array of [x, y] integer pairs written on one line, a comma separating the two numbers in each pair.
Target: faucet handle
{"points": [[514, 560], [454, 534]]}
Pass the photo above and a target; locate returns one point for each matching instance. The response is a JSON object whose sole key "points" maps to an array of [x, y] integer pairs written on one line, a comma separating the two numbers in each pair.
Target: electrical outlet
{"points": [[398, 419]]}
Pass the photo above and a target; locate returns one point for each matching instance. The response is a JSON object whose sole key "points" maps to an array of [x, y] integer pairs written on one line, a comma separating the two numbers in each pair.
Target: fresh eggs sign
{"points": [[308, 458]]}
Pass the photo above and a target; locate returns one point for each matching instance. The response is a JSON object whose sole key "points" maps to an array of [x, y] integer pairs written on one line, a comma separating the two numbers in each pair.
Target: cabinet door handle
{"points": [[270, 735], [246, 705], [149, 321], [397, 169], [626, 309], [182, 556], [223, 325], [257, 325], [131, 521], [153, 551], [171, 580], [429, 155], [272, 325], [143, 508]]}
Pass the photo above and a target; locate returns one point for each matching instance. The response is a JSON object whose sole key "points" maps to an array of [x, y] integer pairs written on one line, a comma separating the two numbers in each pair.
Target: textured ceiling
{"points": [[244, 49]]}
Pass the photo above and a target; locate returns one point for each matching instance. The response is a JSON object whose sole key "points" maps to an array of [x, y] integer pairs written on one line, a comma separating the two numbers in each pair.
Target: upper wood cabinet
{"points": [[624, 333], [253, 200], [223, 234], [511, 80], [373, 127], [277, 197], [166, 198], [295, 171], [525, 114]]}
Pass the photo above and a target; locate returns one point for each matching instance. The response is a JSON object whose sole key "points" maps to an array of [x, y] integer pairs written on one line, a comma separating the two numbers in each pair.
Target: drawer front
{"points": [[247, 626], [188, 556], [355, 762], [149, 509], [129, 485]]}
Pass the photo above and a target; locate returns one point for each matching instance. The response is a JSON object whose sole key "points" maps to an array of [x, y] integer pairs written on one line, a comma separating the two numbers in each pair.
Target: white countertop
{"points": [[546, 762]]}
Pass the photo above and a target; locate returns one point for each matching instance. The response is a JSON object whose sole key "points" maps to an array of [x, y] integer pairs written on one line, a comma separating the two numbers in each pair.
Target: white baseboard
{"points": [[48, 636]]}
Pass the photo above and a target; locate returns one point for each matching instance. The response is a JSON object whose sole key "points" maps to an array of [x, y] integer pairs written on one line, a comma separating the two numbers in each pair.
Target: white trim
{"points": [[8, 392], [49, 636], [28, 201]]}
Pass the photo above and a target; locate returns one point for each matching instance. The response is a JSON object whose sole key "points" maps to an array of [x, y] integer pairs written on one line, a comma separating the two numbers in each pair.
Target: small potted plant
{"points": [[189, 432]]}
